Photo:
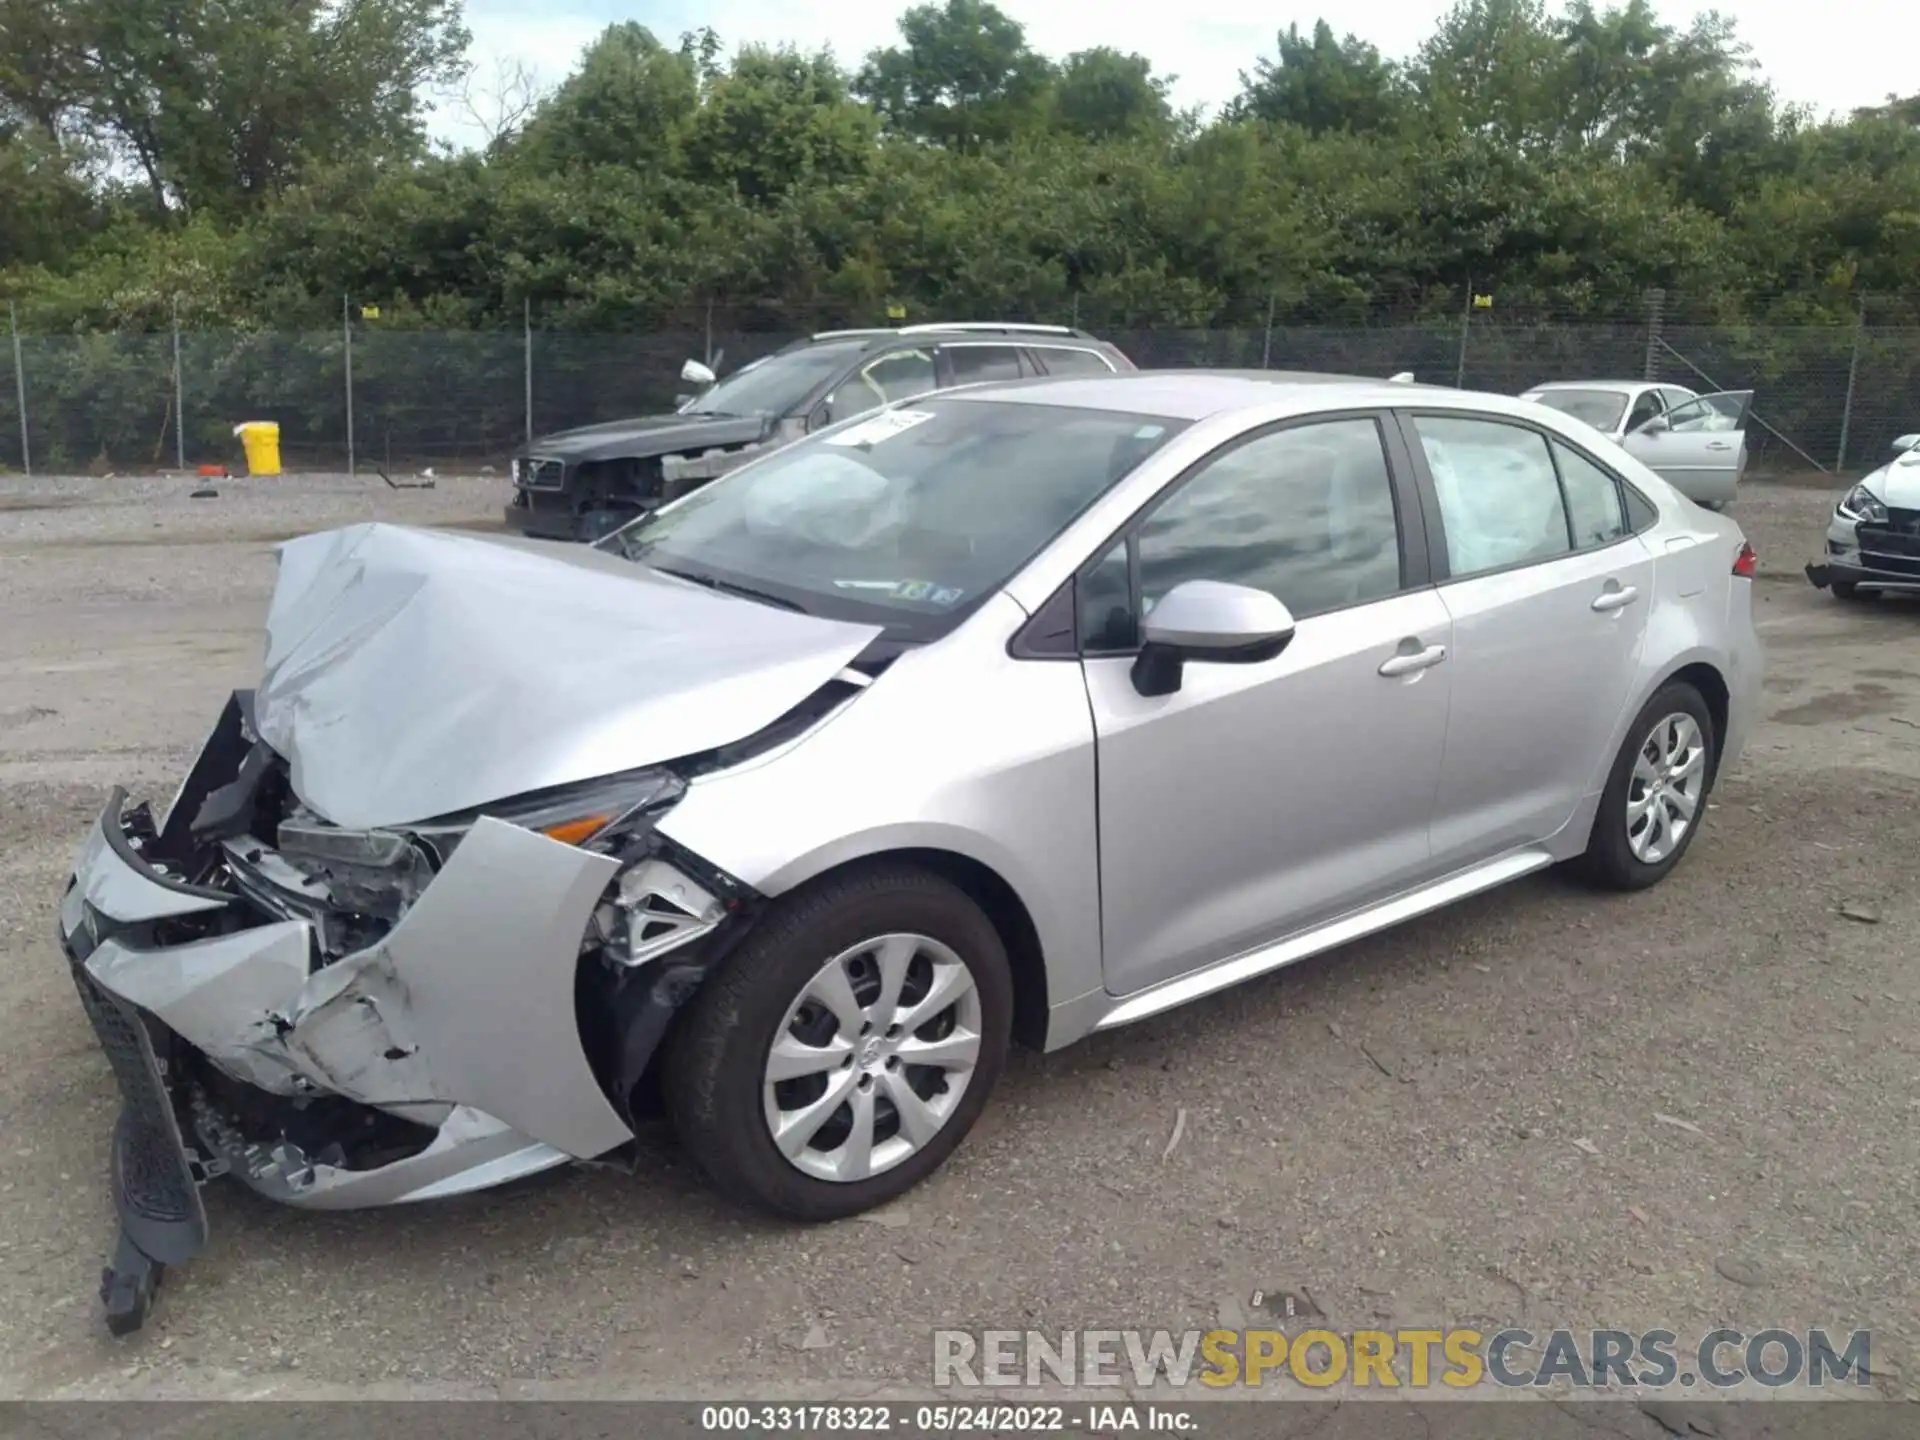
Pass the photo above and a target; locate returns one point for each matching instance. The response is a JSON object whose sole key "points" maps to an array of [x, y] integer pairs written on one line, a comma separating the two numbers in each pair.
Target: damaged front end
{"points": [[343, 1018]]}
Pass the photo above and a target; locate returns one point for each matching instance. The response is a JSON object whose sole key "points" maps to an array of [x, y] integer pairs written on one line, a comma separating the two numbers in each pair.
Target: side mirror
{"points": [[1209, 621], [1905, 443], [1653, 427], [694, 373]]}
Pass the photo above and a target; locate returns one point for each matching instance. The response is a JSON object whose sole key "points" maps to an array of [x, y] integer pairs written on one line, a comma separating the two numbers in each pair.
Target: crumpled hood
{"points": [[413, 673], [1898, 482], [649, 435]]}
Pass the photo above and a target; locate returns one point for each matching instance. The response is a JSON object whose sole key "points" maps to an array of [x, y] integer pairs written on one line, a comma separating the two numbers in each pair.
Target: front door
{"points": [[1549, 592], [1261, 798], [1699, 448]]}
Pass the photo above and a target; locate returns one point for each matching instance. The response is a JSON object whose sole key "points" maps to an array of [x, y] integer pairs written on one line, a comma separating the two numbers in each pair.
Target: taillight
{"points": [[1746, 562]]}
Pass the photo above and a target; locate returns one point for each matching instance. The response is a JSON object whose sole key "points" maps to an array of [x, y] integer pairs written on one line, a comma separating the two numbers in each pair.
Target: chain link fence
{"points": [[361, 397]]}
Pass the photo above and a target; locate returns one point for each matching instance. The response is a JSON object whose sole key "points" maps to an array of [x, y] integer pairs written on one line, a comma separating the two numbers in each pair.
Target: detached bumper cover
{"points": [[461, 1018], [552, 515]]}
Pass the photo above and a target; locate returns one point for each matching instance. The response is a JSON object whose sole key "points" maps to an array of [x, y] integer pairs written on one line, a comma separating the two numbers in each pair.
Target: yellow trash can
{"points": [[261, 440]]}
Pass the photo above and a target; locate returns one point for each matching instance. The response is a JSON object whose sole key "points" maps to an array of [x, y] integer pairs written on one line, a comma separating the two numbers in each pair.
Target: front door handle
{"points": [[1719, 445], [1616, 599], [1419, 660]]}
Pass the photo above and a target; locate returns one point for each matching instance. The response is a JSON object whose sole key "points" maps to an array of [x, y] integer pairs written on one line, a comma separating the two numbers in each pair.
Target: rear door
{"points": [[1548, 591], [1699, 448]]}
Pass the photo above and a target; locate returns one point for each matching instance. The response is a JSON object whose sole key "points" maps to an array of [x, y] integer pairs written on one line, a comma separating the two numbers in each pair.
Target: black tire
{"points": [[1609, 860], [1846, 590], [715, 1059]]}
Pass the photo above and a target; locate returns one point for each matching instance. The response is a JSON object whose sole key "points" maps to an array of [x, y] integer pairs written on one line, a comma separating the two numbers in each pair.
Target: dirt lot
{"points": [[1390, 1128]]}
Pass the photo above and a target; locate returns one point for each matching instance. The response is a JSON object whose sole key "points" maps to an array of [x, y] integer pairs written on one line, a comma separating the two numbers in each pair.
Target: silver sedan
{"points": [[1011, 713]]}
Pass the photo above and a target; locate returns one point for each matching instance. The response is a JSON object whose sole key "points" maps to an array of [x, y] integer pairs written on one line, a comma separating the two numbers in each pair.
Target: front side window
{"points": [[1645, 407], [1500, 500], [1304, 513], [898, 376], [906, 518], [1709, 412]]}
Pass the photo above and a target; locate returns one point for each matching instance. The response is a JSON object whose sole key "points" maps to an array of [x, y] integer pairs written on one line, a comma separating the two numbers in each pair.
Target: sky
{"points": [[1810, 58]]}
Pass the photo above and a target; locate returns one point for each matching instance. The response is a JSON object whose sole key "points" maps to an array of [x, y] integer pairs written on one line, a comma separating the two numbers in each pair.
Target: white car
{"points": [[1696, 443], [1873, 540]]}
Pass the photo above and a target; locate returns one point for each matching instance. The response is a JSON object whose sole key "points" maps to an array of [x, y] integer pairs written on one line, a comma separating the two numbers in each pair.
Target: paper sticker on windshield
{"points": [[913, 589], [945, 595], [883, 426]]}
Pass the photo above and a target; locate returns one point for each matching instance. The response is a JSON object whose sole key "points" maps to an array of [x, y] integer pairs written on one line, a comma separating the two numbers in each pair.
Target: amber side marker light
{"points": [[573, 832]]}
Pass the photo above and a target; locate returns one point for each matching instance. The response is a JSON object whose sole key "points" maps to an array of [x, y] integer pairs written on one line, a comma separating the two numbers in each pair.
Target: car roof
{"points": [[1625, 386], [1010, 332], [1197, 394]]}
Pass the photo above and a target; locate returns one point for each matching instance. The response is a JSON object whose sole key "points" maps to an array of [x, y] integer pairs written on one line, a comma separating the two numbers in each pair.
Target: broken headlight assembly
{"points": [[1860, 503], [379, 873], [600, 815]]}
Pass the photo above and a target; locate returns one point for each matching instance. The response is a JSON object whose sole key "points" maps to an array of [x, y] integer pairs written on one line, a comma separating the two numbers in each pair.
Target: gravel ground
{"points": [[1390, 1128]]}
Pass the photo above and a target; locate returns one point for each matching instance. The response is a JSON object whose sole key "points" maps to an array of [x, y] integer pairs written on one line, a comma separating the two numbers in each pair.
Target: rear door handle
{"points": [[1616, 599], [1418, 660]]}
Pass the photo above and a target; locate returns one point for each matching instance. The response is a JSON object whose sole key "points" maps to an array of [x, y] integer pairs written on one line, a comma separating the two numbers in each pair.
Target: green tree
{"points": [[628, 105], [220, 104], [1322, 84], [1102, 94], [778, 121], [964, 76]]}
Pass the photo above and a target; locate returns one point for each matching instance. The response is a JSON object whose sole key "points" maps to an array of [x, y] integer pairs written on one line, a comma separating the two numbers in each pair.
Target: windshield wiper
{"points": [[746, 592]]}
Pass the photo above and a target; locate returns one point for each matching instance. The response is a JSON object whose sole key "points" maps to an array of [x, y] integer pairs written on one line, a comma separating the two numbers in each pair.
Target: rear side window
{"points": [[1073, 362], [1640, 511], [1500, 501], [1593, 499], [975, 363]]}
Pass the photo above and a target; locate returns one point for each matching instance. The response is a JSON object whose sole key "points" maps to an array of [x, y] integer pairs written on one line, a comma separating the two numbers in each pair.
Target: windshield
{"points": [[778, 385], [907, 518], [1601, 409]]}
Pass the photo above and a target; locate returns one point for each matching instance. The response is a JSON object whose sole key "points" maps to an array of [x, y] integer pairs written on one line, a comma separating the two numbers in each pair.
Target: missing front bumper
{"points": [[460, 1020], [499, 1026]]}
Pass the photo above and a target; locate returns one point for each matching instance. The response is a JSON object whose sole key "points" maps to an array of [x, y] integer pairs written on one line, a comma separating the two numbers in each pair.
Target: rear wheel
{"points": [[845, 1049], [1656, 795]]}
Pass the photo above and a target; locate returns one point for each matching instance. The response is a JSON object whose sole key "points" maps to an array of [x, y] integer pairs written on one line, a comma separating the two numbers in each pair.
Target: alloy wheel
{"points": [[1666, 788], [873, 1057]]}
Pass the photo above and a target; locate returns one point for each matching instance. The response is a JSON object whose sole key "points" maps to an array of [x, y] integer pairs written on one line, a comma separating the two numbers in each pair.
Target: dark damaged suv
{"points": [[582, 484]]}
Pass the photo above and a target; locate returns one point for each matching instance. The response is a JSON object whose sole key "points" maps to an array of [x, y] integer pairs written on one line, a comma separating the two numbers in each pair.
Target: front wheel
{"points": [[846, 1047], [1845, 589], [1656, 795]]}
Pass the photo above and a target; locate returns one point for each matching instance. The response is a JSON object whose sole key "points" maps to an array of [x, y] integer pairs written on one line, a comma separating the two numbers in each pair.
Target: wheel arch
{"points": [[1705, 677], [997, 899]]}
